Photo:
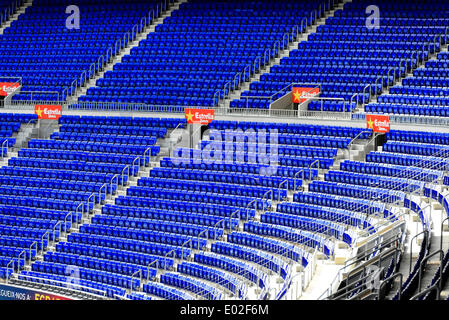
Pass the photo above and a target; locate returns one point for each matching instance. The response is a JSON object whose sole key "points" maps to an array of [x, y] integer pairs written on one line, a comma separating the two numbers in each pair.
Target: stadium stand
{"points": [[145, 206]]}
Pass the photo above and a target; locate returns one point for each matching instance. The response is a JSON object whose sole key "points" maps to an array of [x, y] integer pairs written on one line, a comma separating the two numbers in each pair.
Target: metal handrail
{"points": [[434, 42], [411, 246], [432, 288], [345, 288], [247, 208], [76, 210], [400, 65], [123, 175], [147, 151], [134, 165], [65, 220], [249, 73], [423, 263], [279, 188], [232, 216], [364, 92], [295, 178], [42, 240], [3, 146], [354, 95], [105, 187], [258, 58], [148, 268], [182, 248], [390, 278], [219, 96], [441, 232], [376, 83], [216, 227], [205, 231], [239, 74], [165, 257], [388, 76], [34, 244], [227, 84], [88, 202], [102, 62], [139, 272], [111, 183], [59, 223], [263, 198]]}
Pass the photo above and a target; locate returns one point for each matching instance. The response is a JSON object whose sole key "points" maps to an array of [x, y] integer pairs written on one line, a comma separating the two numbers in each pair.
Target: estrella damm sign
{"points": [[379, 123], [201, 116], [48, 112], [300, 95]]}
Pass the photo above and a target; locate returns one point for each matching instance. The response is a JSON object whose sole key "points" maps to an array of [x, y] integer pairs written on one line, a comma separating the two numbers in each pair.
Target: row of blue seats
{"points": [[111, 254], [304, 223], [87, 274], [421, 174], [394, 183], [98, 264], [163, 226], [121, 121], [208, 217], [71, 165], [263, 178], [38, 202], [104, 138], [290, 234], [165, 292], [337, 214], [287, 139], [341, 202], [418, 136], [143, 193], [197, 287], [426, 162], [33, 213], [215, 188], [65, 175], [128, 245], [112, 129], [33, 154], [143, 235], [19, 232], [51, 193], [221, 278], [266, 148], [434, 111], [245, 270], [270, 245], [261, 258], [93, 147], [416, 148], [371, 193]]}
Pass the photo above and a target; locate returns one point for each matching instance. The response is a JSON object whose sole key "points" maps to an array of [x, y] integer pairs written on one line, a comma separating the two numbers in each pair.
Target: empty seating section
{"points": [[201, 49], [44, 187], [424, 93], [53, 60], [348, 60]]}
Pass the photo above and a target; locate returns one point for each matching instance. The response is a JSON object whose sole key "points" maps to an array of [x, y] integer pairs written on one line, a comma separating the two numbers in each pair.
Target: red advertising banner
{"points": [[301, 95], [379, 123], [8, 87], [49, 112], [201, 116]]}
